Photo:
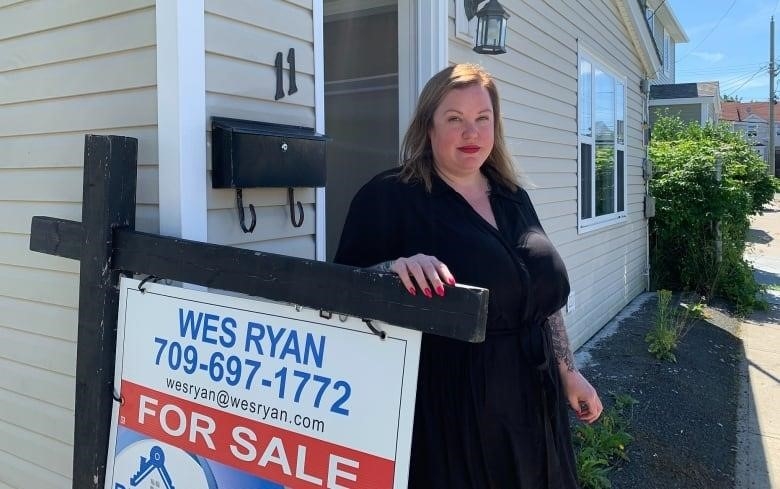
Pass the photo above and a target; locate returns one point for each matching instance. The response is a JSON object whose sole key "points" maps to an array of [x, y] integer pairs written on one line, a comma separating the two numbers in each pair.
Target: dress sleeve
{"points": [[371, 230]]}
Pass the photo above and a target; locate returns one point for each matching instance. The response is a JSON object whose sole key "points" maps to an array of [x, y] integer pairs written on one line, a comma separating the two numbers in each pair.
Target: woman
{"points": [[488, 415]]}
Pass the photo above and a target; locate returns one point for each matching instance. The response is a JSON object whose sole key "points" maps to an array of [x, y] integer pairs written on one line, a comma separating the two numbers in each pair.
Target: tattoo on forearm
{"points": [[561, 341], [383, 267]]}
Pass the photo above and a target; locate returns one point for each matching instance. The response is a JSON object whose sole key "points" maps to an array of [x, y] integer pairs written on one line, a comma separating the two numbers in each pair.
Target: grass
{"points": [[601, 445], [672, 322]]}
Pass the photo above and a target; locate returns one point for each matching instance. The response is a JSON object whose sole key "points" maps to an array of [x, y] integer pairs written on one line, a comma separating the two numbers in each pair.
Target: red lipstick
{"points": [[469, 149]]}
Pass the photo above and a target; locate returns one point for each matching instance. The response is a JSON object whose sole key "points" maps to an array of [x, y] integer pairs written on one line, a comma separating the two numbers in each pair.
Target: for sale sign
{"points": [[221, 392]]}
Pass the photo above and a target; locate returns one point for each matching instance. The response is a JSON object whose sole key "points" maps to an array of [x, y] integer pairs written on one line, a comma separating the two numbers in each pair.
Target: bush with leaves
{"points": [[690, 201]]}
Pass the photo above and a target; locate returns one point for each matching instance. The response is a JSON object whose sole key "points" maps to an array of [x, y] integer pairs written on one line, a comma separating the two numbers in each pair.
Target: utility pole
{"points": [[772, 130]]}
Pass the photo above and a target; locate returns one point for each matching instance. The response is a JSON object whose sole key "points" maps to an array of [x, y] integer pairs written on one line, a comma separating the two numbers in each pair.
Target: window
{"points": [[602, 144], [752, 131], [667, 53]]}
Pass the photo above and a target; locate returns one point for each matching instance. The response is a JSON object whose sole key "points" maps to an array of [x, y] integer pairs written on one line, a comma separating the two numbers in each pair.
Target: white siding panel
{"points": [[245, 79], [42, 185], [30, 17], [540, 133], [85, 113], [147, 218], [18, 215], [79, 41], [259, 197], [278, 16], [538, 115], [272, 223], [44, 385], [556, 209], [42, 352], [39, 318], [235, 39], [548, 178], [300, 246], [15, 250], [67, 149], [19, 473], [39, 449], [37, 417], [549, 165], [39, 285], [528, 148], [117, 71], [221, 105]]}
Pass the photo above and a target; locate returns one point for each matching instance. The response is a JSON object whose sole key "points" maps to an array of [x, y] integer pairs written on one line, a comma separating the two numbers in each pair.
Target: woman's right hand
{"points": [[423, 272]]}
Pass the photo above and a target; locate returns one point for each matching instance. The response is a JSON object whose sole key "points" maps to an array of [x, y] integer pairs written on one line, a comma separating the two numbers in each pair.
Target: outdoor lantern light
{"points": [[491, 29]]}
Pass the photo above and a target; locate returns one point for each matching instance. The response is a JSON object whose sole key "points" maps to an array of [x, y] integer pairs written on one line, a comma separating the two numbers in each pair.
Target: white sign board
{"points": [[221, 392]]}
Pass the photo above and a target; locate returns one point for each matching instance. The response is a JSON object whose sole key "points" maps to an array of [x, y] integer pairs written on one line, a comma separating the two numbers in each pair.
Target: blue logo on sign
{"points": [[155, 463]]}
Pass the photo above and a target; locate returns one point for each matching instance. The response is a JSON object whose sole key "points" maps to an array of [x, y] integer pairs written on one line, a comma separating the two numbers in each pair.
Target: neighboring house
{"points": [[752, 119], [691, 102], [574, 119], [667, 33]]}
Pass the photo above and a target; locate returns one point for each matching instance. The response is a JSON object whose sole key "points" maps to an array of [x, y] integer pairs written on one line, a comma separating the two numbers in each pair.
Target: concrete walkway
{"points": [[758, 448]]}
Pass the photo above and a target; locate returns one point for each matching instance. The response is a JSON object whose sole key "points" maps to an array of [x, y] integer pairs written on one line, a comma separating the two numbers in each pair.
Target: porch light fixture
{"points": [[491, 29]]}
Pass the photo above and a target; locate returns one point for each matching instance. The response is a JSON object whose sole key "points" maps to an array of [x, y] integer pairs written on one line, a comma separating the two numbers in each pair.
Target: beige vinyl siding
{"points": [[242, 39], [537, 79], [66, 69]]}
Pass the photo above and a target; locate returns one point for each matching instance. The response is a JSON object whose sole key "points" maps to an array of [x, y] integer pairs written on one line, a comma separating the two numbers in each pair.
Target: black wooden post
{"points": [[109, 202]]}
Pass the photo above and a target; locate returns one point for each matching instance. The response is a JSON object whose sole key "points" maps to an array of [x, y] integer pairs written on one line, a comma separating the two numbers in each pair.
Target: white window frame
{"points": [[667, 53], [585, 225]]}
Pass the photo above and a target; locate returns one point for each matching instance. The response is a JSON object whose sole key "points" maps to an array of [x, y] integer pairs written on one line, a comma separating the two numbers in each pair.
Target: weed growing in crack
{"points": [[599, 446], [672, 322]]}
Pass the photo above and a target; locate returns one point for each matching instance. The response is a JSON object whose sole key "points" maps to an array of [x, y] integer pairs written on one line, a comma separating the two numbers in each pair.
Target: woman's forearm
{"points": [[560, 341]]}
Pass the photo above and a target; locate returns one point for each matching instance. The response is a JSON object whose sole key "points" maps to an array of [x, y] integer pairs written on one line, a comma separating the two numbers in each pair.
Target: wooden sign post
{"points": [[107, 245]]}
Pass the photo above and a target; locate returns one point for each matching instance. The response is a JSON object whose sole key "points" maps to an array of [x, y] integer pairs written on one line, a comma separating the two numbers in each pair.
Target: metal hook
{"points": [[291, 200], [153, 278], [374, 329], [240, 205]]}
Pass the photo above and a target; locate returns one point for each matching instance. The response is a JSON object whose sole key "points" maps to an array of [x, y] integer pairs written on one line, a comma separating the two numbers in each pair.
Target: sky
{"points": [[729, 43]]}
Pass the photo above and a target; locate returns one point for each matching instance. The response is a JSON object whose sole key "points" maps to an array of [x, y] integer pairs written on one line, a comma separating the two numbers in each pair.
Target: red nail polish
{"points": [[451, 281], [440, 290], [427, 292], [412, 291]]}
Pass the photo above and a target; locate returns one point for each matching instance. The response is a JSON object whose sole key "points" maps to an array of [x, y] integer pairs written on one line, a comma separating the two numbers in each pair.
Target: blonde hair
{"points": [[416, 151]]}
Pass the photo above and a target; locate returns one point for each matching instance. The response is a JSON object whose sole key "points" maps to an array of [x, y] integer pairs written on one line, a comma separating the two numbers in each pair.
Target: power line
{"points": [[739, 82], [746, 81], [711, 31], [724, 68]]}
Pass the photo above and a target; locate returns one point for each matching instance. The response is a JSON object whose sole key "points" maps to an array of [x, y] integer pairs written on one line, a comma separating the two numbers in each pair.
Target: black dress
{"points": [[493, 414]]}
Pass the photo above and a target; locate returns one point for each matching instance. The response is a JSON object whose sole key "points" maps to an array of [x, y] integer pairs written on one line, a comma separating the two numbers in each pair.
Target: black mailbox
{"points": [[248, 154], [260, 154]]}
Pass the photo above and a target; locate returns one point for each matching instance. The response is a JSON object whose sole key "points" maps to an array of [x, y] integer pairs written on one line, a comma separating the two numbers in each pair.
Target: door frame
{"points": [[422, 52]]}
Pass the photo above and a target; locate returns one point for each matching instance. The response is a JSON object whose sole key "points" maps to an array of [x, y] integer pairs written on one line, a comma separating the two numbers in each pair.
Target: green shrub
{"points": [[690, 201]]}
